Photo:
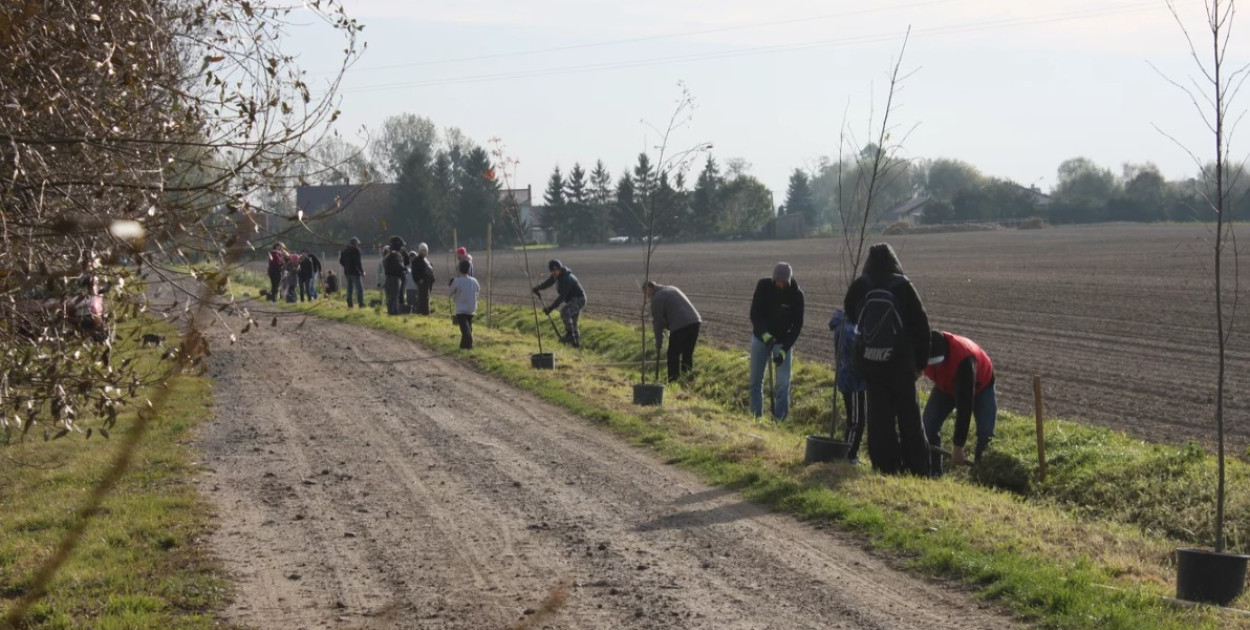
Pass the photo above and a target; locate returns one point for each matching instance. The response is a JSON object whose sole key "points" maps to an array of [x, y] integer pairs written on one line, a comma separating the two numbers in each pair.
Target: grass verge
{"points": [[1048, 552], [142, 563]]}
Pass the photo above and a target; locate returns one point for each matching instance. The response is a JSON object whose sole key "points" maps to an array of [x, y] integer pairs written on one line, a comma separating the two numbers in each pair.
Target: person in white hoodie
{"points": [[464, 291]]}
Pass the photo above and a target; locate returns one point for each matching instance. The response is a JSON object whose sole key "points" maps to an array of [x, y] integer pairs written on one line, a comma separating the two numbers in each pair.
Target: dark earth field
{"points": [[1118, 320]]}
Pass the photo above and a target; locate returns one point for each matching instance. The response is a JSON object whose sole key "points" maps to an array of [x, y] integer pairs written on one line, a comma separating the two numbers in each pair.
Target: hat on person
{"points": [[460, 251], [397, 243], [554, 264], [782, 272], [353, 241], [938, 347], [423, 248]]}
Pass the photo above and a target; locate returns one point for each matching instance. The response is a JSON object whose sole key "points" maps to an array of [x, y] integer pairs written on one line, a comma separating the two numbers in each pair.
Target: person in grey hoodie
{"points": [[464, 291], [671, 310]]}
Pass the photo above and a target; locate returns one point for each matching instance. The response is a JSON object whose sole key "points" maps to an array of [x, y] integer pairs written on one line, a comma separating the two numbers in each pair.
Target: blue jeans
{"points": [[984, 413], [354, 282], [761, 354]]}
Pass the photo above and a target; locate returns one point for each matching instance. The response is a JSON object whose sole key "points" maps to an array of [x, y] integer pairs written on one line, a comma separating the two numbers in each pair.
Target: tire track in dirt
{"points": [[440, 498]]}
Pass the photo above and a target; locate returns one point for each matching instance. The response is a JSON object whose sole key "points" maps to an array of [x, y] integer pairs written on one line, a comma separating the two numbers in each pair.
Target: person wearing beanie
{"points": [[423, 275], [569, 292], [892, 350], [464, 292], [394, 269], [776, 321], [963, 382], [671, 310], [353, 272]]}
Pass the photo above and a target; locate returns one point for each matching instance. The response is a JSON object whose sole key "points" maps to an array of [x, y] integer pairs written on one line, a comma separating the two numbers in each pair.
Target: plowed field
{"points": [[1118, 320]]}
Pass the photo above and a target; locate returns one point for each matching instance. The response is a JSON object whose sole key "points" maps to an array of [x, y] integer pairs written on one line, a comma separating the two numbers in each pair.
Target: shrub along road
{"points": [[361, 479]]}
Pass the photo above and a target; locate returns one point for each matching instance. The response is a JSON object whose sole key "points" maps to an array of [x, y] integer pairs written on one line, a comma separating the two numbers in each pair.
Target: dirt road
{"points": [[364, 482]]}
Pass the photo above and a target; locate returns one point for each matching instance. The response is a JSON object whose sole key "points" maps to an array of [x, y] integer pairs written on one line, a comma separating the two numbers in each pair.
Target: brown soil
{"points": [[1118, 320], [362, 481]]}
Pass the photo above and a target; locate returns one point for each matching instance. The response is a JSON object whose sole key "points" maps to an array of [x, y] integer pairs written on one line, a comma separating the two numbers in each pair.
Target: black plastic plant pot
{"points": [[648, 395], [825, 449], [543, 361], [1210, 577]]}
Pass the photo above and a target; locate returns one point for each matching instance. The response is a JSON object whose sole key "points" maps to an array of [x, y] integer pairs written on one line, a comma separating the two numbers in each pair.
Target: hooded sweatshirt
{"points": [[880, 269], [778, 312], [568, 287]]}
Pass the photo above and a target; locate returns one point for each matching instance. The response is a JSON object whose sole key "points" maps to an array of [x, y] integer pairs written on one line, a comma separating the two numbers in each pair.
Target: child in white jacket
{"points": [[464, 291]]}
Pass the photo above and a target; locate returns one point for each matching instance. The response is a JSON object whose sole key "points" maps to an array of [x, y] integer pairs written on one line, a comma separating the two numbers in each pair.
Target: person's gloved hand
{"points": [[767, 337], [779, 356], [536, 291], [547, 311]]}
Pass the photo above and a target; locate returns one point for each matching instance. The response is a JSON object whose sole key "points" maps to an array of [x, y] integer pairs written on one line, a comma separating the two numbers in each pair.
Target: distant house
{"points": [[531, 214], [364, 198], [788, 226], [1040, 198], [910, 211]]}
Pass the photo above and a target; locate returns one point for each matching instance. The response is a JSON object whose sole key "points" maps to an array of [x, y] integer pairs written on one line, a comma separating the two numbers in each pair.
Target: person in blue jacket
{"points": [[852, 386]]}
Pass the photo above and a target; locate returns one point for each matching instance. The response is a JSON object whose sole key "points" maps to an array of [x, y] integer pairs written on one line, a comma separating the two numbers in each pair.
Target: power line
{"points": [[760, 50], [650, 38]]}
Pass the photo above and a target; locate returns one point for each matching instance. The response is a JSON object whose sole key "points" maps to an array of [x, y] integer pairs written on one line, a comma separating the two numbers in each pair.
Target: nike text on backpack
{"points": [[880, 332]]}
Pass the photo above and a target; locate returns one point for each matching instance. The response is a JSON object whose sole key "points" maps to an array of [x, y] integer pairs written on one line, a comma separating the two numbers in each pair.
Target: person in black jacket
{"points": [[353, 272], [569, 292], [305, 276], [776, 321], [394, 270], [423, 275], [896, 438]]}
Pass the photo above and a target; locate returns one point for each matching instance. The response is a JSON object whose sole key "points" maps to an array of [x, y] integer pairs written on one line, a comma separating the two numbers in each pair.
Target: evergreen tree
{"points": [[601, 198], [446, 191], [799, 198], [478, 202], [704, 203], [415, 204], [555, 212], [584, 224], [624, 215]]}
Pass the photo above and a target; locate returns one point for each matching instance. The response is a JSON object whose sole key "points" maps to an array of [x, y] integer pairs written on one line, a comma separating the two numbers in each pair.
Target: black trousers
{"points": [[856, 404], [275, 277], [465, 320], [681, 344], [896, 440], [422, 306]]}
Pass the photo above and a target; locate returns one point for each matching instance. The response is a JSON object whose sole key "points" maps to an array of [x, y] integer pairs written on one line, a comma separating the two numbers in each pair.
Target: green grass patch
{"points": [[1049, 551], [141, 563]]}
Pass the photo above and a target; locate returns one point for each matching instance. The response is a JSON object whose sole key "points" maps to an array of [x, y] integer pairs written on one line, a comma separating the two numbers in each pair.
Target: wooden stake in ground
{"points": [[490, 267], [1041, 428]]}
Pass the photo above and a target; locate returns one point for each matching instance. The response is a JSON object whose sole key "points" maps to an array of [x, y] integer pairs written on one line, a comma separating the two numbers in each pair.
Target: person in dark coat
{"points": [[394, 270], [963, 382], [277, 261], [353, 272], [671, 310], [776, 321], [896, 439], [423, 275], [569, 293], [305, 276]]}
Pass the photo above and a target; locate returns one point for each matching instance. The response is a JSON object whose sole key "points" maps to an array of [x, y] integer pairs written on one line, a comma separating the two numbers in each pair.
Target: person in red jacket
{"points": [[963, 382]]}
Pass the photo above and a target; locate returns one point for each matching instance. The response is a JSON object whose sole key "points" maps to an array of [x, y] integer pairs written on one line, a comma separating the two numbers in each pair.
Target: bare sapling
{"points": [[1213, 93]]}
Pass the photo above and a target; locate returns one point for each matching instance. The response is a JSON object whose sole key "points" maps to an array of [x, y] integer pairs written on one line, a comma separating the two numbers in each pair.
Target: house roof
{"points": [[314, 200], [912, 206]]}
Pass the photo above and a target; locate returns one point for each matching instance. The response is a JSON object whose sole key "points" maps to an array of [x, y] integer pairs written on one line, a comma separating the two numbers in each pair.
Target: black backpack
{"points": [[880, 340]]}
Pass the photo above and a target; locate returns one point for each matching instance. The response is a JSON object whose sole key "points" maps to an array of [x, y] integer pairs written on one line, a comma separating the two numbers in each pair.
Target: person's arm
{"points": [[759, 324], [796, 326], [658, 320], [965, 388], [545, 284], [916, 322]]}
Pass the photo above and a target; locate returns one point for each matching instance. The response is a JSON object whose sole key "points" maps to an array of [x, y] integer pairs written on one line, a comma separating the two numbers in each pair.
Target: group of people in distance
{"points": [[882, 339], [293, 275]]}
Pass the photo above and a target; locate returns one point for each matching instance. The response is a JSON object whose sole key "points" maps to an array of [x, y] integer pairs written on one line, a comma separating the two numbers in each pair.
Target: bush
{"points": [[1033, 223], [898, 227]]}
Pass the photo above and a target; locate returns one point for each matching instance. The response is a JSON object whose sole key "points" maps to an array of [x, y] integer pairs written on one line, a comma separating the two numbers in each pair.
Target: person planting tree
{"points": [[891, 351], [963, 381], [569, 292], [671, 310], [776, 321]]}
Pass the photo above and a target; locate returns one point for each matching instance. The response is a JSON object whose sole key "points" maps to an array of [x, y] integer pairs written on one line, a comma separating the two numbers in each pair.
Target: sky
{"points": [[1012, 87]]}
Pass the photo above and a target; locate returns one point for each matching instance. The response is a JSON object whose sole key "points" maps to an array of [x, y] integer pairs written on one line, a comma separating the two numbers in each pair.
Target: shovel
{"points": [[553, 327], [772, 391]]}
